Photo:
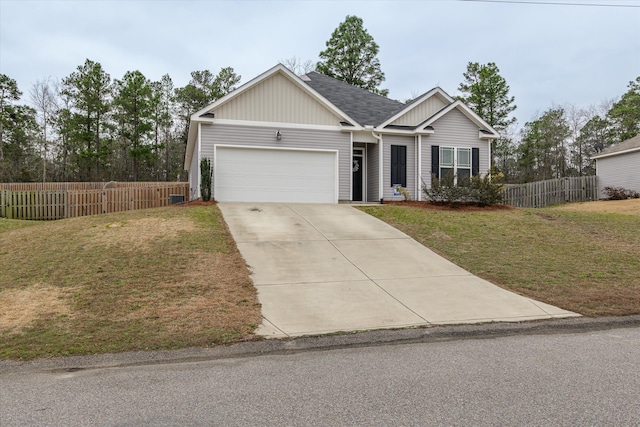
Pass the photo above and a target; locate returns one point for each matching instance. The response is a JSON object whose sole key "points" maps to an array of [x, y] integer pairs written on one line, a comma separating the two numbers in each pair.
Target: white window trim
{"points": [[455, 162]]}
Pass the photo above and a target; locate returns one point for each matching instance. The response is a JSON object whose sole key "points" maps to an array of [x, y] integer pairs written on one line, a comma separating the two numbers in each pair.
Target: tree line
{"points": [[90, 127], [555, 144]]}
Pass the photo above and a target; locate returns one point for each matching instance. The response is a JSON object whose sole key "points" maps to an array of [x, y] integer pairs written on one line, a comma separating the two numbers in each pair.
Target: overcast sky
{"points": [[549, 54]]}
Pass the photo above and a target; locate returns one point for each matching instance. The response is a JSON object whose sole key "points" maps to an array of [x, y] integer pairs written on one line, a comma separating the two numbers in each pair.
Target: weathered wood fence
{"points": [[48, 201], [551, 192]]}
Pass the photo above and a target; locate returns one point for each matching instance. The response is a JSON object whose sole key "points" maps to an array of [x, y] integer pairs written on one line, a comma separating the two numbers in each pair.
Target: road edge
{"points": [[335, 341]]}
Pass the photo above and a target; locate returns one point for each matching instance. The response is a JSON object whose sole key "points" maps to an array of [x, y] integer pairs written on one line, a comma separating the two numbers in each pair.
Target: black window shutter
{"points": [[394, 164], [435, 161], [399, 165], [475, 161], [402, 165]]}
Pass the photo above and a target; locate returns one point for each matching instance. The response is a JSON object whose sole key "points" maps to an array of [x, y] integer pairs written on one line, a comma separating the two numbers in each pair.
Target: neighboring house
{"points": [[619, 165], [315, 139]]}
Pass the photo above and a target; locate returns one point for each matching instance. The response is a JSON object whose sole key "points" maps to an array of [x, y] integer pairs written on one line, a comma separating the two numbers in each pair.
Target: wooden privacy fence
{"points": [[551, 192], [48, 204]]}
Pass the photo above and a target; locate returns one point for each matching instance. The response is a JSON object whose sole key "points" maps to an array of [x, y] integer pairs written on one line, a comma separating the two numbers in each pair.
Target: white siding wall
{"points": [[409, 142], [277, 99], [373, 177], [454, 129], [291, 138], [622, 170]]}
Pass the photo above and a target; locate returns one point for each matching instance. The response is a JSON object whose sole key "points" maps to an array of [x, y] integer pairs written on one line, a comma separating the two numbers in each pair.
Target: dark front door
{"points": [[357, 178]]}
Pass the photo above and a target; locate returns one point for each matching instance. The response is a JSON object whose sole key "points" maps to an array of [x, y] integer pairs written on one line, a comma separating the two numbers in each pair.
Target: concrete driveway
{"points": [[325, 268]]}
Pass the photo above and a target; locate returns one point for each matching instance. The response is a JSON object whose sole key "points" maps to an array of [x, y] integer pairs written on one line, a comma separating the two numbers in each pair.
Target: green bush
{"points": [[483, 190], [205, 179]]}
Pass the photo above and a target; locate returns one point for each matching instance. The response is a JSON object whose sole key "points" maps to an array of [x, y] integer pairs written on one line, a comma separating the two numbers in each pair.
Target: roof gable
{"points": [[366, 107], [486, 131], [421, 108], [275, 96], [632, 144]]}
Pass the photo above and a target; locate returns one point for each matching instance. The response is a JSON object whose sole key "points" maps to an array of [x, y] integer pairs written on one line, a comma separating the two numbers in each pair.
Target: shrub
{"points": [[486, 190], [404, 192], [619, 193], [205, 179]]}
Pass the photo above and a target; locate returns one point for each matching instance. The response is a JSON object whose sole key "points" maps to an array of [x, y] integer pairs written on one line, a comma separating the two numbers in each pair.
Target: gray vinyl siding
{"points": [[454, 129], [409, 142], [373, 177], [622, 170], [259, 136]]}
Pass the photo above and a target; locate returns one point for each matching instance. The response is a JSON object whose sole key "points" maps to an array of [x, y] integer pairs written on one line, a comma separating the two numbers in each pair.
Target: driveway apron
{"points": [[327, 268]]}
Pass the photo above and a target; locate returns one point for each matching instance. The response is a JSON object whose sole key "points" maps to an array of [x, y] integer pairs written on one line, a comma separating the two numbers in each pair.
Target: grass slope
{"points": [[587, 262], [151, 279]]}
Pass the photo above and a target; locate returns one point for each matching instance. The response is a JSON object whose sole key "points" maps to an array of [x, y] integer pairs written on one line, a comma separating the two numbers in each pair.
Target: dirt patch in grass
{"points": [[587, 262], [139, 232], [141, 280], [19, 307], [626, 207]]}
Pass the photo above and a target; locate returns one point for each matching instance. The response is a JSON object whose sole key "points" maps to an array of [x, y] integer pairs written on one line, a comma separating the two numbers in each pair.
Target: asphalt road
{"points": [[563, 379]]}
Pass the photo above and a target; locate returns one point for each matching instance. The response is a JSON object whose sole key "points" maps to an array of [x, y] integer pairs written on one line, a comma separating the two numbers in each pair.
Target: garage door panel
{"points": [[275, 175]]}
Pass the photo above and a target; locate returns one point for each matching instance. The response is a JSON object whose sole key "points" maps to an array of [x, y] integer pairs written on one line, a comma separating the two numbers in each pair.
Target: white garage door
{"points": [[274, 175]]}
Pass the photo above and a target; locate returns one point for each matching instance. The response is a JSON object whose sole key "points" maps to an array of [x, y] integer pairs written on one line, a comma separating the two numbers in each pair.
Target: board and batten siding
{"points": [[420, 112], [453, 129], [373, 173], [259, 136], [409, 142], [277, 99], [621, 170]]}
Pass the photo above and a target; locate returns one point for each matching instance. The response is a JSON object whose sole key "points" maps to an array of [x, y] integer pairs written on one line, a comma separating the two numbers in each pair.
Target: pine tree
{"points": [[351, 56]]}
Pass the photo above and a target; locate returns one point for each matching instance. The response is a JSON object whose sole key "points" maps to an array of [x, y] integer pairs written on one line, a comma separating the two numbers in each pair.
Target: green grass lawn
{"points": [[140, 280], [581, 261]]}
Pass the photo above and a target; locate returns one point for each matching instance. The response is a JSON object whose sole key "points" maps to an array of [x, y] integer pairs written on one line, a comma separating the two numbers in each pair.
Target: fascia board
{"points": [[615, 153], [191, 142], [252, 123], [402, 132]]}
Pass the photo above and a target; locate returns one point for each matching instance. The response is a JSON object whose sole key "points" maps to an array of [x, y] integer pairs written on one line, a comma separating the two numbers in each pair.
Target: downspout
{"points": [[380, 166]]}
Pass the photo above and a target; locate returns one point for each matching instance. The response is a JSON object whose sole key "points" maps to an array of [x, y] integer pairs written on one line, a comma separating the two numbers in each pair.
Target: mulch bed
{"points": [[193, 203], [459, 207]]}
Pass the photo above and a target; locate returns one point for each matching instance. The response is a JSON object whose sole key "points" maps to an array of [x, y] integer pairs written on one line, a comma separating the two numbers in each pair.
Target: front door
{"points": [[358, 173]]}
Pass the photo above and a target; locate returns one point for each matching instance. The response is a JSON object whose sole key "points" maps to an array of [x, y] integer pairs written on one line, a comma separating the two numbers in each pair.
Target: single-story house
{"points": [[619, 165], [315, 139]]}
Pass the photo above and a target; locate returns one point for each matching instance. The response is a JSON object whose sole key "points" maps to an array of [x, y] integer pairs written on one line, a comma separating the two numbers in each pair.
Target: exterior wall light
{"points": [[278, 135]]}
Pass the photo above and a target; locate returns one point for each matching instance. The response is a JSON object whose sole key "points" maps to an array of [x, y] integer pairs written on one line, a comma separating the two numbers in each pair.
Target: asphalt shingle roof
{"points": [[624, 145], [366, 107]]}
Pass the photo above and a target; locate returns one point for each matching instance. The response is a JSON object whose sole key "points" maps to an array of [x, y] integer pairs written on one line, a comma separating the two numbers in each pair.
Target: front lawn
{"points": [[139, 280], [587, 262]]}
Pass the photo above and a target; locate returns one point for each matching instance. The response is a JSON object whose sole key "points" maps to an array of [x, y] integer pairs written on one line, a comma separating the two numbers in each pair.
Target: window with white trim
{"points": [[455, 161]]}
